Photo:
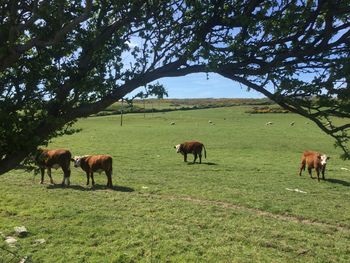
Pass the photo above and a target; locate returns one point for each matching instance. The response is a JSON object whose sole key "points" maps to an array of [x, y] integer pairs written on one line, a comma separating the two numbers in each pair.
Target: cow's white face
{"points": [[77, 161], [324, 159], [177, 147]]}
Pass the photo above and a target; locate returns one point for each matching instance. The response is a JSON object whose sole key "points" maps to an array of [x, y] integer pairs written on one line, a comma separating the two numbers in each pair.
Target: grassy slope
{"points": [[163, 209], [176, 104]]}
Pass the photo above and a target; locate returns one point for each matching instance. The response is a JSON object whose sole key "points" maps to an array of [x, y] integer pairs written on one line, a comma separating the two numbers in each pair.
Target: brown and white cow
{"points": [[193, 147], [314, 160], [95, 163], [48, 159]]}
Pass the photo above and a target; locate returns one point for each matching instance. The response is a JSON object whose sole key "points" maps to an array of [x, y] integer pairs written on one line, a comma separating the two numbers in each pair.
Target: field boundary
{"points": [[182, 105], [259, 212]]}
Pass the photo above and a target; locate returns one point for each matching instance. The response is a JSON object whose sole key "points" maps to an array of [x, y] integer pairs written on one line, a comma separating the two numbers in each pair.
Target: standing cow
{"points": [[47, 159], [314, 160], [95, 163], [193, 147]]}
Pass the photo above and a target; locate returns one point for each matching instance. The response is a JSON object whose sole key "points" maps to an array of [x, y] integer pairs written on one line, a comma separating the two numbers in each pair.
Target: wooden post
{"points": [[144, 108], [121, 113], [152, 107]]}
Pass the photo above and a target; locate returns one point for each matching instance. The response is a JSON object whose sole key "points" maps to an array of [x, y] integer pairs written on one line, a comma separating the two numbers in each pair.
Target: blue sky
{"points": [[197, 86]]}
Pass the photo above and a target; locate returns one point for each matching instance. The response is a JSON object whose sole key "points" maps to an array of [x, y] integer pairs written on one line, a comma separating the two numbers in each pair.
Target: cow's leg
{"points": [[195, 157], [309, 171], [318, 173], [109, 179], [42, 171], [302, 167], [323, 170], [64, 178], [185, 157], [92, 179], [49, 174], [67, 176], [200, 158], [87, 178]]}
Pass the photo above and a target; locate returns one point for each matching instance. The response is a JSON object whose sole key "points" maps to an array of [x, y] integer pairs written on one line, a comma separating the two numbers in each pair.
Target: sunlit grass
{"points": [[233, 208]]}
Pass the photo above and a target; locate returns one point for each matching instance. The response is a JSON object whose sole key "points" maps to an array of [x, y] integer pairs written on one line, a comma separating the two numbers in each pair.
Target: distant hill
{"points": [[163, 105]]}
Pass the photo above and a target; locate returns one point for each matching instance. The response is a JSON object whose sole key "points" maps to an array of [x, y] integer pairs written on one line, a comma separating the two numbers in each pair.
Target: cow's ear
{"points": [[72, 160], [328, 157], [174, 147]]}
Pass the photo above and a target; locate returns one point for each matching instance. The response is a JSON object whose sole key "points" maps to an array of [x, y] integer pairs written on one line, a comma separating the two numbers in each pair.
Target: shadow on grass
{"points": [[337, 181], [206, 163], [95, 187], [210, 163], [26, 168]]}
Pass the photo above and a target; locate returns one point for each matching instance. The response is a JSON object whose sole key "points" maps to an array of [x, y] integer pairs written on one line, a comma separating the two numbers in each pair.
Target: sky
{"points": [[198, 86], [195, 85]]}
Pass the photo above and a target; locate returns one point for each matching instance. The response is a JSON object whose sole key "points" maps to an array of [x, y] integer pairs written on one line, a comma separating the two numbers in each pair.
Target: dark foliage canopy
{"points": [[61, 60]]}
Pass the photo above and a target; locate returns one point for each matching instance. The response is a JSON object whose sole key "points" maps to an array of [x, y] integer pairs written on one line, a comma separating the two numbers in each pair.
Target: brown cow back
{"points": [[191, 147], [312, 159], [50, 158], [94, 163]]}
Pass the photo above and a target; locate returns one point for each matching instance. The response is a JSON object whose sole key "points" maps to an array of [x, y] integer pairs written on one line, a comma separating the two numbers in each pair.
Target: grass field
{"points": [[232, 208]]}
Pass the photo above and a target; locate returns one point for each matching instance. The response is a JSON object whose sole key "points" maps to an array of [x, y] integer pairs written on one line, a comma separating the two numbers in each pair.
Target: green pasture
{"points": [[235, 207]]}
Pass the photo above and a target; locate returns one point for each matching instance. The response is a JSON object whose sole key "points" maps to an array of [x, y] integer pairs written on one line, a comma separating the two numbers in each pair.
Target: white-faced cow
{"points": [[47, 159], [314, 160], [193, 147], [95, 163]]}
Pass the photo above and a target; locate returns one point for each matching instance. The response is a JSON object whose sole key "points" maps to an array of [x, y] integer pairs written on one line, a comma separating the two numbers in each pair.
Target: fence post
{"points": [[121, 113]]}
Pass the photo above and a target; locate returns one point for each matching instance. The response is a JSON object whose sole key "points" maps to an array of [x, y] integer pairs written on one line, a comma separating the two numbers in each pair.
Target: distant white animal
{"points": [[172, 123], [292, 123], [268, 123], [210, 121]]}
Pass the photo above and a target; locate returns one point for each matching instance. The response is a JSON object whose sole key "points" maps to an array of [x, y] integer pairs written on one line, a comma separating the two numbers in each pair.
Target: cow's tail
{"points": [[205, 152]]}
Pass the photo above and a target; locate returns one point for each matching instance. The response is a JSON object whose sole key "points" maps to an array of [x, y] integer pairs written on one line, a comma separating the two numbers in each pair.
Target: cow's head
{"points": [[77, 160], [324, 158], [39, 156], [178, 148]]}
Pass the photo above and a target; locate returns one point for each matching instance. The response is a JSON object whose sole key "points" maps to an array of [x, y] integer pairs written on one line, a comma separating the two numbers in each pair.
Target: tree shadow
{"points": [[97, 187], [337, 181], [26, 168]]}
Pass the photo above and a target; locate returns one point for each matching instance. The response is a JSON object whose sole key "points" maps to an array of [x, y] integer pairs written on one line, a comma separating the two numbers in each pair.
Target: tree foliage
{"points": [[158, 90], [61, 60]]}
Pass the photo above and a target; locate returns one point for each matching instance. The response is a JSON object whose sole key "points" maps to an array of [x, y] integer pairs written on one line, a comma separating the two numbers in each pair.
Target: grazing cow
{"points": [[314, 160], [191, 147], [47, 159], [95, 163]]}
